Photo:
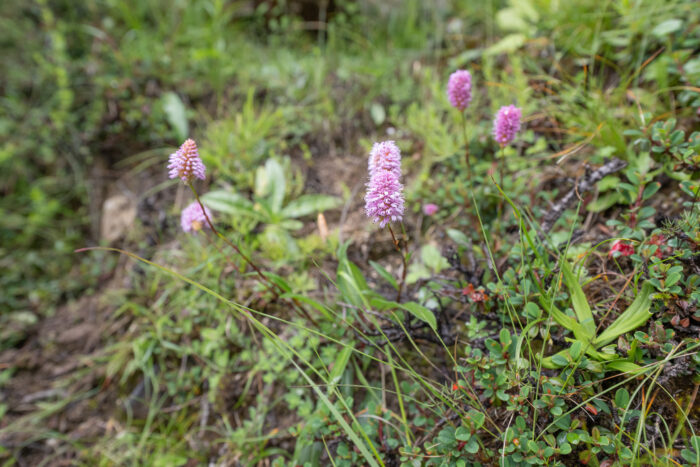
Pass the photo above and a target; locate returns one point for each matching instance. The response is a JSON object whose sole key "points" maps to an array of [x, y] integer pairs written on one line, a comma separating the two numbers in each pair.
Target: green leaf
{"points": [[310, 204], [421, 312], [472, 446], [667, 27], [575, 350], [579, 301], [633, 317], [230, 203], [280, 281], [309, 301], [385, 274], [341, 362], [291, 224], [622, 398], [377, 112], [624, 366], [271, 182], [432, 258], [650, 190], [560, 359], [462, 434], [176, 114], [458, 237], [509, 43], [604, 202], [477, 418], [566, 321]]}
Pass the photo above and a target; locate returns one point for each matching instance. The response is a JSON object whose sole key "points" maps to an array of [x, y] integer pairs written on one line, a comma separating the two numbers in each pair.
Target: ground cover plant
{"points": [[350, 233]]}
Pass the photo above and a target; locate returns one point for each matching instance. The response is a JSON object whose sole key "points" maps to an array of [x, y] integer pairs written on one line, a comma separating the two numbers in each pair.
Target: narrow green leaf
{"points": [[579, 301], [385, 274], [626, 367], [633, 317], [341, 362]]}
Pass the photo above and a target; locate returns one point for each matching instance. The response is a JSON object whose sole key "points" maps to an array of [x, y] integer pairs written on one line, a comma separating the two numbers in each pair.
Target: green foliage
{"points": [[483, 355], [268, 208]]}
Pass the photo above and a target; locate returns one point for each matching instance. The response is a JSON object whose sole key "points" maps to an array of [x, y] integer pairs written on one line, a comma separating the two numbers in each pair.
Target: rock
{"points": [[118, 215]]}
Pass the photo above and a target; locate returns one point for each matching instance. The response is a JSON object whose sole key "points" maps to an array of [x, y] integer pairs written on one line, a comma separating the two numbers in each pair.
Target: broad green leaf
{"points": [[579, 301], [230, 203], [622, 398], [421, 312], [176, 114], [462, 433], [310, 204], [667, 27]]}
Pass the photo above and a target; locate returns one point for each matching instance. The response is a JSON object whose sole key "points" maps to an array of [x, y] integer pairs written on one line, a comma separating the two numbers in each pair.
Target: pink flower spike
{"points": [[186, 164], [623, 249], [385, 156], [430, 209], [459, 89], [384, 201], [506, 124], [193, 219]]}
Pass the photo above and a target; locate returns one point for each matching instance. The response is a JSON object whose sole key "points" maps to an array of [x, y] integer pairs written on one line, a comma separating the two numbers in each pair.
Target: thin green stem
{"points": [[466, 148], [403, 261]]}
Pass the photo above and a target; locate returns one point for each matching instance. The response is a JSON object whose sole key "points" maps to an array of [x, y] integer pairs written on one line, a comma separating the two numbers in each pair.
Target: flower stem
{"points": [[403, 261], [466, 148], [500, 171]]}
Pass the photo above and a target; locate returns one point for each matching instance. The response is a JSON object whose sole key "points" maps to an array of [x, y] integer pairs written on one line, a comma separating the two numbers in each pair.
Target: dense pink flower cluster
{"points": [[385, 156], [506, 124], [193, 219], [384, 201], [186, 164], [459, 89]]}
